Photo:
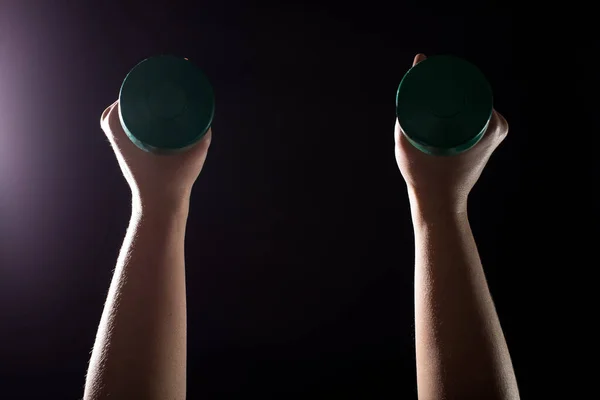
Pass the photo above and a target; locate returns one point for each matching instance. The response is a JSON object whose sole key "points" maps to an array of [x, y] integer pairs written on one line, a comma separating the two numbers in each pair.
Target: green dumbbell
{"points": [[444, 105], [166, 104]]}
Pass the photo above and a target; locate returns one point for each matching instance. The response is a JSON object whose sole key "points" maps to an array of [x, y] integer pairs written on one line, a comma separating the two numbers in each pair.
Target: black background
{"points": [[299, 248]]}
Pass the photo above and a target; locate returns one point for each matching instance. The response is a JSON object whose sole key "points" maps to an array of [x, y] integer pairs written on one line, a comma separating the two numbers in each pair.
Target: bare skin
{"points": [[140, 348], [461, 350]]}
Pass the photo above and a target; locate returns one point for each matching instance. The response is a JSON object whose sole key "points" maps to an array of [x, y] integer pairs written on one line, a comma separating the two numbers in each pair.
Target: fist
{"points": [[446, 180], [154, 178]]}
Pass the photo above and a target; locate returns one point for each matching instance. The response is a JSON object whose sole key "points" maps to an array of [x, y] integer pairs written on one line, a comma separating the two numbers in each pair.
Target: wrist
{"points": [[161, 207], [435, 208]]}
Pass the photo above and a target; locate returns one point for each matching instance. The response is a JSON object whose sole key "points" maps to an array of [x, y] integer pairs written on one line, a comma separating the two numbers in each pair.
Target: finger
{"points": [[121, 142], [402, 142], [105, 113], [108, 123], [498, 127], [397, 132], [114, 129], [503, 125], [207, 138], [202, 145], [494, 134], [418, 58]]}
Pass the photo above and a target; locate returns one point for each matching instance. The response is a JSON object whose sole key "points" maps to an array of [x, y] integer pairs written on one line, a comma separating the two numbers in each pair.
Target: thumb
{"points": [[497, 128], [105, 113], [418, 58], [398, 133]]}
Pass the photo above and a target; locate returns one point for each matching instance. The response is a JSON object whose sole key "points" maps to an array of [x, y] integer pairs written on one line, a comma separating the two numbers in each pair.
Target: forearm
{"points": [[461, 350], [140, 348]]}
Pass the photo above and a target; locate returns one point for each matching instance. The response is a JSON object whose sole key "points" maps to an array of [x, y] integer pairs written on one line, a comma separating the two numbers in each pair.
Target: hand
{"points": [[446, 180], [154, 178]]}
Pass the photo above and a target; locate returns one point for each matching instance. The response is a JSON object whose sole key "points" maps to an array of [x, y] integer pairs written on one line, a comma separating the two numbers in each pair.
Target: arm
{"points": [[461, 350], [140, 348]]}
